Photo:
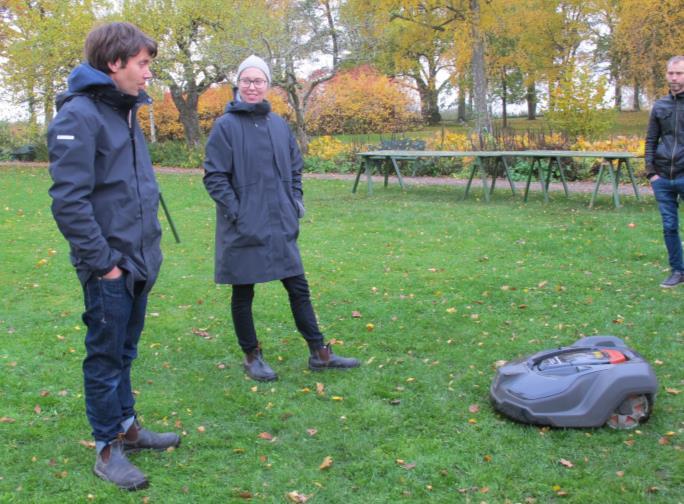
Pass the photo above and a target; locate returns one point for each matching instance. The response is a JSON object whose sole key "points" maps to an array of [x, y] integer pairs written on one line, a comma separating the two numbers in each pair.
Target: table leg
{"points": [[358, 175], [398, 172], [484, 179], [632, 179], [496, 167], [369, 179], [470, 178], [545, 181], [615, 174], [529, 178], [508, 174], [561, 174], [599, 178]]}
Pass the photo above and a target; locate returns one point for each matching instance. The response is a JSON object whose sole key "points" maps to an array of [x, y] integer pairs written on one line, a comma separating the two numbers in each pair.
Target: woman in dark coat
{"points": [[253, 172]]}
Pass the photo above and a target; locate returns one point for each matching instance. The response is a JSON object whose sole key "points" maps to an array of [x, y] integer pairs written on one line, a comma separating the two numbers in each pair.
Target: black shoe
{"points": [[324, 358], [256, 368], [137, 439], [676, 278], [118, 469]]}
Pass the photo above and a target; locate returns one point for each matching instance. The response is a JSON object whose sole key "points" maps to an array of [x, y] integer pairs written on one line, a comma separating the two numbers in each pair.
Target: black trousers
{"points": [[300, 303]]}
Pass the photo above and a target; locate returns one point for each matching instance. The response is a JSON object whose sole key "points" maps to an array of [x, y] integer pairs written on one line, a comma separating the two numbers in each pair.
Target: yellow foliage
{"points": [[621, 143], [328, 148]]}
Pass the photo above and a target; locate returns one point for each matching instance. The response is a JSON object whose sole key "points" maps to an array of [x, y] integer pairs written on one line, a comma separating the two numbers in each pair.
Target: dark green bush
{"points": [[174, 153]]}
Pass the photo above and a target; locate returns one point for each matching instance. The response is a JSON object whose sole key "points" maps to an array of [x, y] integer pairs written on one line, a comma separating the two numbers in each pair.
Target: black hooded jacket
{"points": [[105, 196]]}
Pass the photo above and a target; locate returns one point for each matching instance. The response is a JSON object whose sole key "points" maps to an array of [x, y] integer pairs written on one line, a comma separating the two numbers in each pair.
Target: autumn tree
{"points": [[649, 33], [42, 40], [302, 32], [200, 43], [388, 39]]}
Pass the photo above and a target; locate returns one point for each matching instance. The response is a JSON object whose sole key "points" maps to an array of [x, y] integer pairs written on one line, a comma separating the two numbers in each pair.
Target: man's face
{"points": [[132, 78], [675, 77]]}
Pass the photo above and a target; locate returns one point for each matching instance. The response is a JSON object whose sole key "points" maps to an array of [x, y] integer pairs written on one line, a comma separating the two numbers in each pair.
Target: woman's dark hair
{"points": [[116, 41]]}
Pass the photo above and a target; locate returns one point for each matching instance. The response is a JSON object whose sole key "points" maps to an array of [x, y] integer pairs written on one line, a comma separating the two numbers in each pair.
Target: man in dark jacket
{"points": [[665, 164], [105, 200]]}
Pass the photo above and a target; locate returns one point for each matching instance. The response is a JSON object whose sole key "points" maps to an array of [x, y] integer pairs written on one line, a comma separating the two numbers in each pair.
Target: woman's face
{"points": [[253, 85]]}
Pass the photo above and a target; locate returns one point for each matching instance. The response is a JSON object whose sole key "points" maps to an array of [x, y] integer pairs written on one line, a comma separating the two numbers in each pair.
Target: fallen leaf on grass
{"points": [[320, 389], [487, 458], [201, 429], [87, 443], [663, 441], [202, 333], [37, 409], [266, 436], [474, 408], [619, 474], [7, 419], [672, 391], [44, 393], [326, 464], [356, 314], [566, 463], [311, 432], [295, 496], [244, 494], [500, 363], [370, 327], [337, 398]]}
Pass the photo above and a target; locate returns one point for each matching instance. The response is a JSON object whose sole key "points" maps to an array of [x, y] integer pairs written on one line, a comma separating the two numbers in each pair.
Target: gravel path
{"points": [[501, 184]]}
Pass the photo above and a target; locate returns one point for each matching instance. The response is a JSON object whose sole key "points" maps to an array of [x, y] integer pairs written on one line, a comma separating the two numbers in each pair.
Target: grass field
{"points": [[443, 289]]}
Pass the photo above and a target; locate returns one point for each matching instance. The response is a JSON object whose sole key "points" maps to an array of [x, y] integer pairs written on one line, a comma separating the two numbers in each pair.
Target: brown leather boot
{"points": [[324, 358], [137, 439], [112, 465], [256, 368]]}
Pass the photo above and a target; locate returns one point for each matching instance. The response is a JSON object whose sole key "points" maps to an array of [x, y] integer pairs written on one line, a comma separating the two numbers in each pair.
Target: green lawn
{"points": [[450, 287]]}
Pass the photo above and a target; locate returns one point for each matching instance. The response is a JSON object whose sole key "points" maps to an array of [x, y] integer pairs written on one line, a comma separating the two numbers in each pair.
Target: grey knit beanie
{"points": [[255, 62]]}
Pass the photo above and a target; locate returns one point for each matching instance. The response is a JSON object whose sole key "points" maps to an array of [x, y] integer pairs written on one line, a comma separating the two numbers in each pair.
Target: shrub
{"points": [[176, 154], [360, 101]]}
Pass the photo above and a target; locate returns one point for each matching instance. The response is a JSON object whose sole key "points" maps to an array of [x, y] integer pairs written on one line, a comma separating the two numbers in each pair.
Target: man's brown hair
{"points": [[116, 41]]}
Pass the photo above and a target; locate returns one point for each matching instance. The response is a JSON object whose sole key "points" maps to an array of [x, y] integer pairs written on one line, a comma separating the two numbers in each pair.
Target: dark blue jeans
{"points": [[667, 192], [114, 321], [300, 304]]}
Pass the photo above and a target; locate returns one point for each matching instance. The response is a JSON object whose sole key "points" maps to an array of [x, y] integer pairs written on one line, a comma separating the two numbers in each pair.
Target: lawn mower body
{"points": [[597, 380]]}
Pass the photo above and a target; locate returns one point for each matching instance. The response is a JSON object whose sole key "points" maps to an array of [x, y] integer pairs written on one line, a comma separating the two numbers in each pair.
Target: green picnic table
{"points": [[544, 163]]}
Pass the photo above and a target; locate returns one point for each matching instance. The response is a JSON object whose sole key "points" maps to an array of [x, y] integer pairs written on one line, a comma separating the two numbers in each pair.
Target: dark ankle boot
{"points": [[256, 368], [137, 439], [112, 465], [324, 358]]}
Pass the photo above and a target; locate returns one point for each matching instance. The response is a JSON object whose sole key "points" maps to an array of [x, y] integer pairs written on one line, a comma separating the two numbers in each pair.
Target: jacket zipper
{"points": [[674, 146], [131, 134]]}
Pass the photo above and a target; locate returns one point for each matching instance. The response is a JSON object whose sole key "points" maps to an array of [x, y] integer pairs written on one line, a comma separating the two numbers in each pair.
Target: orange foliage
{"points": [[210, 106], [360, 101]]}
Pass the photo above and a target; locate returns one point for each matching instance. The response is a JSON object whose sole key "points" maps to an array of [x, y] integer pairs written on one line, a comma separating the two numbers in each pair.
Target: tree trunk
{"points": [[429, 103], [618, 94], [531, 98], [483, 122], [504, 92], [187, 113], [635, 99], [461, 100]]}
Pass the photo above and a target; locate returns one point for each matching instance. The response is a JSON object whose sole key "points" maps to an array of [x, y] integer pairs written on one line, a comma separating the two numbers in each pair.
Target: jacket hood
{"points": [[239, 107], [85, 79], [84, 76]]}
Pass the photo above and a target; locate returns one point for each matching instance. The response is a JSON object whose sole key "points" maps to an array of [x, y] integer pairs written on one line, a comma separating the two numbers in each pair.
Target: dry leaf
{"points": [[238, 450], [44, 393], [201, 428], [7, 419], [295, 496], [326, 464], [664, 441], [311, 432], [487, 458], [566, 463], [337, 398], [320, 389], [409, 465], [542, 284], [244, 494], [356, 314], [266, 436], [370, 327], [87, 443], [474, 408], [619, 474], [671, 390], [37, 409], [500, 363]]}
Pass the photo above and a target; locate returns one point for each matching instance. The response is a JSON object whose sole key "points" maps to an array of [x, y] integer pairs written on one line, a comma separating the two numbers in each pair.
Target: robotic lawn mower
{"points": [[597, 380]]}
